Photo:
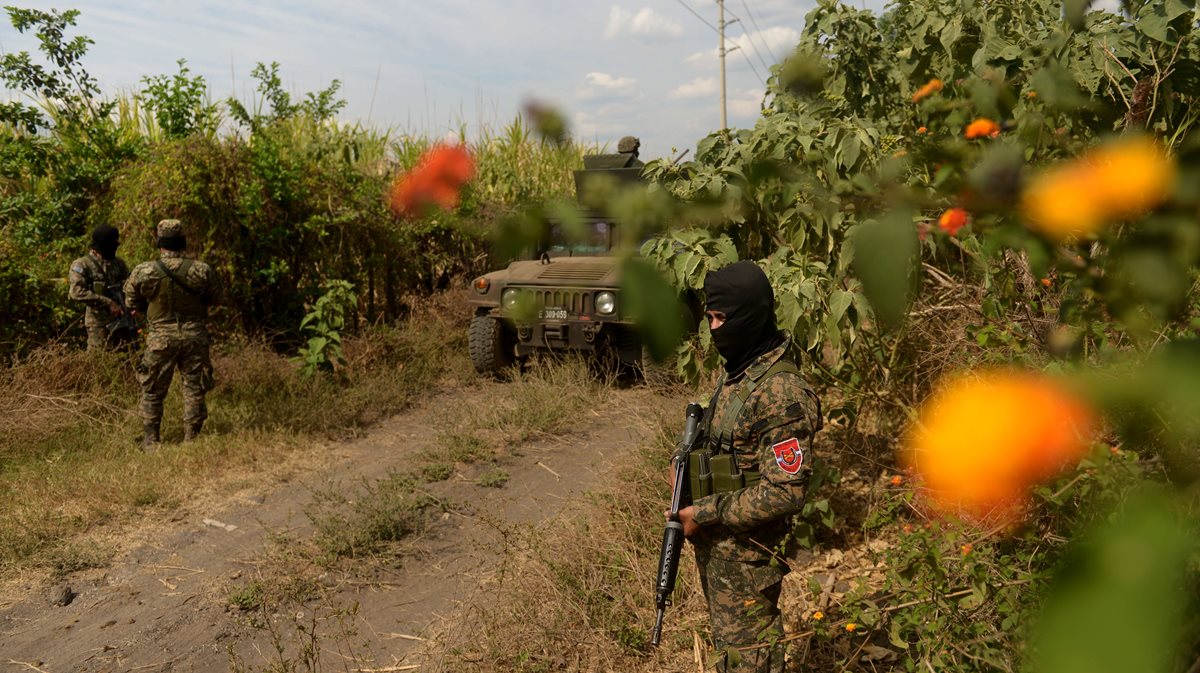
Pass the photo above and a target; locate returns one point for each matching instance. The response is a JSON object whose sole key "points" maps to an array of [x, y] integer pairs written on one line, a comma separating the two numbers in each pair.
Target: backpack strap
{"points": [[729, 420], [184, 267]]}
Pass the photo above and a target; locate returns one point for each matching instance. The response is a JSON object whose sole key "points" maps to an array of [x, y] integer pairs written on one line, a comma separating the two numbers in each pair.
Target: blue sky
{"points": [[642, 67]]}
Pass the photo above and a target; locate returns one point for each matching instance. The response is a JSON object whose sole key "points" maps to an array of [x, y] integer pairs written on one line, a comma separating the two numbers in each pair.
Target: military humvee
{"points": [[566, 297]]}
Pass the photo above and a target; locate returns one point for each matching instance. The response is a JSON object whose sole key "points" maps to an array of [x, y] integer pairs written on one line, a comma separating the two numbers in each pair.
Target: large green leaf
{"points": [[652, 302], [1118, 605], [885, 259]]}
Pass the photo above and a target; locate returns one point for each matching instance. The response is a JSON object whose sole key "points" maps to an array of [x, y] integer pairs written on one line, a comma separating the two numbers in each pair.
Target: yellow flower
{"points": [[982, 441], [1119, 180], [851, 627], [1063, 203], [818, 616], [1132, 175]]}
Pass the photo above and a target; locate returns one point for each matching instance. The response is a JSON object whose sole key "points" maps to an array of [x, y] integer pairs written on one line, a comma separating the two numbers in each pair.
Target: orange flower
{"points": [[818, 616], [966, 548], [1118, 180], [436, 180], [952, 220], [907, 528], [1046, 282], [982, 128], [981, 441], [897, 480], [931, 87], [922, 131], [851, 627], [1031, 94]]}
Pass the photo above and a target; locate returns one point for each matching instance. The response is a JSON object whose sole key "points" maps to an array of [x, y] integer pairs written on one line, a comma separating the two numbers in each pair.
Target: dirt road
{"points": [[166, 604]]}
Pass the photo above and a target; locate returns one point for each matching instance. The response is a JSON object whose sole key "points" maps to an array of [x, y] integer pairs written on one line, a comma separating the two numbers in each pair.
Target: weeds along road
{"points": [[359, 565]]}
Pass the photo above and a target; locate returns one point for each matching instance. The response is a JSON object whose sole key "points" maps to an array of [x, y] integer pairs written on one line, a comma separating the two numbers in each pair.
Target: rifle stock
{"points": [[672, 544]]}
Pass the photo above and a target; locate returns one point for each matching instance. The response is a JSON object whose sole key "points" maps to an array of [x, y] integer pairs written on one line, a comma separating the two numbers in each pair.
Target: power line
{"points": [[698, 16], [718, 31], [760, 32], [750, 39]]}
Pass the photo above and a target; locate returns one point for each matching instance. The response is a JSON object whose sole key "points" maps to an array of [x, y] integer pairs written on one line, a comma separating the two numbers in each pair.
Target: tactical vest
{"points": [[714, 469], [175, 301]]}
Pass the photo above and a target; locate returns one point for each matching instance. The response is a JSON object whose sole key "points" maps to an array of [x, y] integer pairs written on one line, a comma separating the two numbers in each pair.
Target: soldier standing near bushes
{"points": [[175, 292], [93, 280], [751, 474]]}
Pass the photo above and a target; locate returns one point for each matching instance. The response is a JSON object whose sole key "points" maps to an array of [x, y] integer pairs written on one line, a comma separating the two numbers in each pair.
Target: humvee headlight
{"points": [[510, 298], [606, 303]]}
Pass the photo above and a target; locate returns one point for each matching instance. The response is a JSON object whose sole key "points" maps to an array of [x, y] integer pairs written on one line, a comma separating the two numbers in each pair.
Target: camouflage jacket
{"points": [[170, 309], [773, 436], [85, 273]]}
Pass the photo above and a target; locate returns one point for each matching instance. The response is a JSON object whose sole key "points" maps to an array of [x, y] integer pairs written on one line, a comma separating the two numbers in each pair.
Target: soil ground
{"points": [[164, 603]]}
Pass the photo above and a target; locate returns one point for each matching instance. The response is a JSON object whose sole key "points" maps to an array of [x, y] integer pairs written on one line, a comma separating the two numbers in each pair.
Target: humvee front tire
{"points": [[657, 374], [490, 345]]}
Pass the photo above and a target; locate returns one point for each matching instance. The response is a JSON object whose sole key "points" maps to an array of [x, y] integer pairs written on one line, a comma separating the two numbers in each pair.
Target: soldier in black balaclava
{"points": [[751, 474], [96, 279], [742, 304]]}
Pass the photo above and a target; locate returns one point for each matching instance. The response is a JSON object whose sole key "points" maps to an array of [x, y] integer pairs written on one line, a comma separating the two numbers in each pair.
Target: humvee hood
{"points": [[584, 271]]}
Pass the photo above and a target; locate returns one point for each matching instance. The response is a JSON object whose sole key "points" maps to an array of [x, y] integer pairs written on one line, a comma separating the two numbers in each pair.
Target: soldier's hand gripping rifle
{"points": [[672, 544], [123, 328]]}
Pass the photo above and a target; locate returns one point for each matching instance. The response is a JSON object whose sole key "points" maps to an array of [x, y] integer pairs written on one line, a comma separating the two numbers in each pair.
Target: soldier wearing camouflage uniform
{"points": [[752, 474], [175, 292], [89, 281]]}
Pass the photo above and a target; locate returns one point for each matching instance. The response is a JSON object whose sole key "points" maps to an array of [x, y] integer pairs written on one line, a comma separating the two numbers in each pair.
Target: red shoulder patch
{"points": [[788, 455]]}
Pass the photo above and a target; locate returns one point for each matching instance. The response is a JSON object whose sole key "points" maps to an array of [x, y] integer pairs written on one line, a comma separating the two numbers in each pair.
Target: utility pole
{"points": [[721, 53]]}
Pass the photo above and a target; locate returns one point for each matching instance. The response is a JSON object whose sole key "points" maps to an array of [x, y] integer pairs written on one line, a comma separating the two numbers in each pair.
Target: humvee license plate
{"points": [[554, 314]]}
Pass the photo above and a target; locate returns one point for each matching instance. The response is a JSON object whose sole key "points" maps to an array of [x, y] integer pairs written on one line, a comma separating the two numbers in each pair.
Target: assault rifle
{"points": [[122, 329], [672, 544]]}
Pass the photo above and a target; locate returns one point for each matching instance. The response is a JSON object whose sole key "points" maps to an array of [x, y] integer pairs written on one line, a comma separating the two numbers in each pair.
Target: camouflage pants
{"points": [[97, 338], [743, 608], [163, 355]]}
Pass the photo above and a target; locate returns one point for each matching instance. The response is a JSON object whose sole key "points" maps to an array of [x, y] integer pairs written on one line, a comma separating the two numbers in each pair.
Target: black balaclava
{"points": [[105, 240], [742, 292], [172, 243]]}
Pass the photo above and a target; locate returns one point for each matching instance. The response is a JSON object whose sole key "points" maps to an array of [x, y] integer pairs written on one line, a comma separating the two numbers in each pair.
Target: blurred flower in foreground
{"points": [[983, 440], [952, 220], [436, 180], [931, 87], [1117, 180], [982, 128]]}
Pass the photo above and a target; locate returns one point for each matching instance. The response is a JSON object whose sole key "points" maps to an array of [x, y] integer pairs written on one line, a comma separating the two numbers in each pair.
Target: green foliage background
{"points": [[275, 192]]}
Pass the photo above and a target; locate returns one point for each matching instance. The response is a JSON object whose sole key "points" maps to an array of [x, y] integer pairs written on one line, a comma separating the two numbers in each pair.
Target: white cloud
{"points": [[772, 43], [747, 104], [697, 88], [602, 84], [645, 23]]}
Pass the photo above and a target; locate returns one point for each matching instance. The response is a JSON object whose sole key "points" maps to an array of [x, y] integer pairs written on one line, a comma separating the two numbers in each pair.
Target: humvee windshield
{"points": [[597, 239]]}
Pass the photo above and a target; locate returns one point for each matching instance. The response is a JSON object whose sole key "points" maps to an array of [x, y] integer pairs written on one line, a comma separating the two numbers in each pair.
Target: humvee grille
{"points": [[581, 272], [574, 301]]}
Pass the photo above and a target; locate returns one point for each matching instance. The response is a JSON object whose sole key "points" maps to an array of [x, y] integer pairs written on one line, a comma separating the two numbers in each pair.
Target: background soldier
{"points": [[95, 279], [758, 428], [628, 147], [175, 293]]}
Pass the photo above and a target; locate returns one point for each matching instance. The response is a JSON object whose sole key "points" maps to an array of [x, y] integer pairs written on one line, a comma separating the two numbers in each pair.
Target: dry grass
{"points": [[576, 594], [549, 397], [68, 425]]}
